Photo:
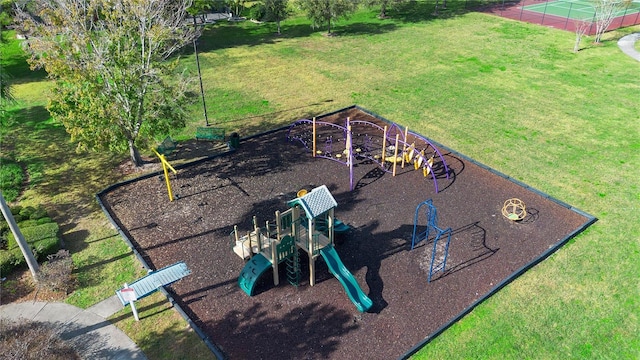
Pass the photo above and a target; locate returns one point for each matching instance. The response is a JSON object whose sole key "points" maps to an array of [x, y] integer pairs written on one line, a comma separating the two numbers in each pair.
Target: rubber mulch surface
{"points": [[320, 322]]}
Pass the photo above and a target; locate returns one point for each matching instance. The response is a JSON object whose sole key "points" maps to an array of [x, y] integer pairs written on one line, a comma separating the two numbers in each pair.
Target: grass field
{"points": [[511, 95]]}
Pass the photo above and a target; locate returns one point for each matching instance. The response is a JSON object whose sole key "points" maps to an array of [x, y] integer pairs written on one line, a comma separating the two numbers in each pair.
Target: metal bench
{"points": [[210, 133]]}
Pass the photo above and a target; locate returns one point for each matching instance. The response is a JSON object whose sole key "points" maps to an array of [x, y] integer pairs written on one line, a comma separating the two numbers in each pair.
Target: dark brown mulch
{"points": [[320, 322]]}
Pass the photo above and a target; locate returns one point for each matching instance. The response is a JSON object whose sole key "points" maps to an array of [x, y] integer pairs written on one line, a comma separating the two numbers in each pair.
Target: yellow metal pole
{"points": [[166, 178], [165, 167]]}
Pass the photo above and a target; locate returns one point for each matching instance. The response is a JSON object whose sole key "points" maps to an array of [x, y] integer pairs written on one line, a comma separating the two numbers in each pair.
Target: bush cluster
{"points": [[40, 232], [11, 179], [257, 12], [27, 340]]}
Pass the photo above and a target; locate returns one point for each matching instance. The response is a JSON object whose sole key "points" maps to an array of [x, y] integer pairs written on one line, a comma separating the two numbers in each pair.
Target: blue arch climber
{"points": [[439, 252]]}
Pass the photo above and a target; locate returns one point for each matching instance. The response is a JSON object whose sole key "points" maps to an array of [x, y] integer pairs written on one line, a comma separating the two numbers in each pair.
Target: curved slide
{"points": [[337, 268], [252, 270]]}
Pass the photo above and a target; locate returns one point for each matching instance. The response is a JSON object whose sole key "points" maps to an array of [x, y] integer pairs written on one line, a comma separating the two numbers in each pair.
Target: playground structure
{"points": [[514, 209], [440, 252], [390, 146], [309, 224]]}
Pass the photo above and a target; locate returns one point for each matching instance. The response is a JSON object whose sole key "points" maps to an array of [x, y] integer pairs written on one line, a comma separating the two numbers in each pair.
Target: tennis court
{"points": [[577, 9], [564, 14]]}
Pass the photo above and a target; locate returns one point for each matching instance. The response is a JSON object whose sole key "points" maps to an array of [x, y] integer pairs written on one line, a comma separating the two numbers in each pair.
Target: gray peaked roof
{"points": [[316, 202]]}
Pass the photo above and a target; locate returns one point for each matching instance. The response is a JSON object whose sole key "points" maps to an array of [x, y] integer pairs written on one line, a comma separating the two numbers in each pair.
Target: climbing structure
{"points": [[440, 250], [296, 229], [391, 147]]}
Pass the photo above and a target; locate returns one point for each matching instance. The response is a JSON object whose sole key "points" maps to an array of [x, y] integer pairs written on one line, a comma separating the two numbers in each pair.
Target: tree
{"points": [[276, 10], [238, 6], [384, 6], [114, 86], [582, 26], [6, 12], [606, 11], [6, 95], [200, 8], [322, 12]]}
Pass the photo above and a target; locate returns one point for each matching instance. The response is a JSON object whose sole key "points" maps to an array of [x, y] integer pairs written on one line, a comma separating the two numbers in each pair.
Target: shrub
{"points": [[27, 223], [9, 261], [257, 11], [38, 213], [43, 220], [11, 178], [42, 239], [15, 210], [27, 211], [30, 340], [56, 274]]}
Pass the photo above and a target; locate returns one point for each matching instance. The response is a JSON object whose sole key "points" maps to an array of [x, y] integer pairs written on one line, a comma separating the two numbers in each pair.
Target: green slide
{"points": [[337, 268], [252, 270]]}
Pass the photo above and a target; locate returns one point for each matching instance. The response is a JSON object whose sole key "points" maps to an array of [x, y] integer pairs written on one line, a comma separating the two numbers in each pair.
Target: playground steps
{"points": [[154, 280], [293, 268], [252, 270]]}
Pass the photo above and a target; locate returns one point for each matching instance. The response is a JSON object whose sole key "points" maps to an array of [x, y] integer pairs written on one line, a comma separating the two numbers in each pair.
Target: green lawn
{"points": [[511, 95]]}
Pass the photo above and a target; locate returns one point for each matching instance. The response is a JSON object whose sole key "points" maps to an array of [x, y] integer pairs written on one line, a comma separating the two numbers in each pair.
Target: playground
{"points": [[350, 200]]}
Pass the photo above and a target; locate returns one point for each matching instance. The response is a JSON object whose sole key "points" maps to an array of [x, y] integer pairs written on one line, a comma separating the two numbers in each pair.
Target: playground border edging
{"points": [[499, 286], [212, 347], [590, 220], [220, 355]]}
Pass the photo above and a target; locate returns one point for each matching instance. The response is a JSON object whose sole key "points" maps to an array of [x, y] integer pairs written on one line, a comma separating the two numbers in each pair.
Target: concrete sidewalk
{"points": [[88, 331], [627, 45]]}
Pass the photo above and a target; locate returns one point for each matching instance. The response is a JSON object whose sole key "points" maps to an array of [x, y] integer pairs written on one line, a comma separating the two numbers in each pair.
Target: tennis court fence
{"points": [[563, 14]]}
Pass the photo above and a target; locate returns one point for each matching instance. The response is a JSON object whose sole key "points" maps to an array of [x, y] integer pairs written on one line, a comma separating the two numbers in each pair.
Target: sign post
{"points": [[129, 294]]}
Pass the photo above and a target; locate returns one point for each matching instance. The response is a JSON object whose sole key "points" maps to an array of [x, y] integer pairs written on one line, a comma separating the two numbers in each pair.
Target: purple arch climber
{"points": [[366, 142]]}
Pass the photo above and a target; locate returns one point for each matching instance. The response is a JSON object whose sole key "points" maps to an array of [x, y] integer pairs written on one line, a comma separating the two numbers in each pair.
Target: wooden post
{"points": [[384, 145], [314, 136], [395, 154], [274, 264], [331, 225], [237, 238], [278, 228], [404, 144], [274, 255], [350, 155], [250, 247]]}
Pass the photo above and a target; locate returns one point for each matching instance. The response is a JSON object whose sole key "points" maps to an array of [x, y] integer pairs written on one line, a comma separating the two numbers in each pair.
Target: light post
{"points": [[195, 50]]}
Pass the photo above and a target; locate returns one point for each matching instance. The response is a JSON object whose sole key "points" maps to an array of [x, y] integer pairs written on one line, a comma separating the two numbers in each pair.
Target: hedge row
{"points": [[42, 239]]}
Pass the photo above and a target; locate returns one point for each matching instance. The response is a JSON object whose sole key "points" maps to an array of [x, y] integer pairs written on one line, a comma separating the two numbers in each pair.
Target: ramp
{"points": [[252, 270], [337, 268], [150, 283]]}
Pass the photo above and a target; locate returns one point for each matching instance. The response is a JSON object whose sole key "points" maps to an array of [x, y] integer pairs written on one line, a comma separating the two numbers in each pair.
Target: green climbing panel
{"points": [[252, 270]]}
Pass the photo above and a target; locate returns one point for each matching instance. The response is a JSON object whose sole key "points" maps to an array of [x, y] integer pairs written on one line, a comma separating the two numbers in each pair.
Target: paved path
{"points": [[88, 331], [627, 45]]}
